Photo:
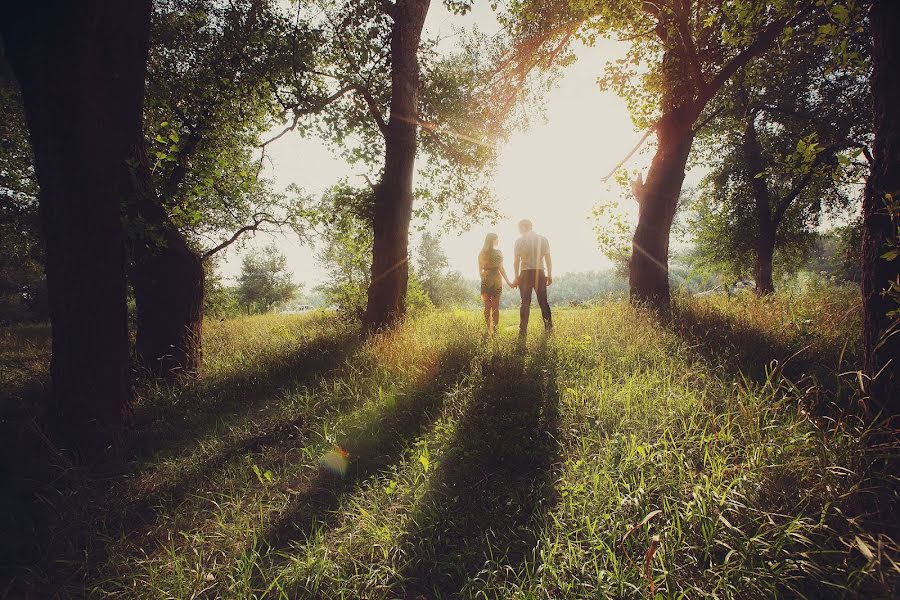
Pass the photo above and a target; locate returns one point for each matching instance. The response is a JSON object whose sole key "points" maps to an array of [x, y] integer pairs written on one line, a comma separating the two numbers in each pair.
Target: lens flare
{"points": [[335, 461]]}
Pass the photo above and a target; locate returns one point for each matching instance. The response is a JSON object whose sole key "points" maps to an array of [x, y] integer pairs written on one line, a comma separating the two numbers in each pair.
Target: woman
{"points": [[490, 265]]}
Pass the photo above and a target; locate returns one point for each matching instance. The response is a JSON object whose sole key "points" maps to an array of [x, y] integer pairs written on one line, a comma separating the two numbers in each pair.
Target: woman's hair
{"points": [[489, 240]]}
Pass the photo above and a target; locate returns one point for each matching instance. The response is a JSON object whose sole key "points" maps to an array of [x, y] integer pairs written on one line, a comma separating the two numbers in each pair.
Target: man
{"points": [[532, 251]]}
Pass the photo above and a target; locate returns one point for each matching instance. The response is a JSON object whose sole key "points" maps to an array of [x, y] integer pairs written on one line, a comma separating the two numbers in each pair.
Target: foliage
{"points": [[23, 288], [214, 75], [461, 122], [445, 288], [679, 51], [265, 280], [807, 130], [575, 453], [837, 253], [219, 300], [343, 223], [417, 299], [613, 235]]}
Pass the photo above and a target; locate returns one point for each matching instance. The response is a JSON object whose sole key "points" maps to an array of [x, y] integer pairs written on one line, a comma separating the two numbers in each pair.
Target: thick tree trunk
{"points": [[81, 67], [394, 194], [880, 330], [765, 224], [762, 269], [658, 199], [167, 277]]}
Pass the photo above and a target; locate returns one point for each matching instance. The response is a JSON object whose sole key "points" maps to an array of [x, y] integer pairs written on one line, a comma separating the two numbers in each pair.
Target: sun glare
{"points": [[551, 173]]}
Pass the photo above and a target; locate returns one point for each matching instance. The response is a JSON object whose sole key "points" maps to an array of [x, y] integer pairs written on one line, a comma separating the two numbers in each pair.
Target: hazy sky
{"points": [[551, 173]]}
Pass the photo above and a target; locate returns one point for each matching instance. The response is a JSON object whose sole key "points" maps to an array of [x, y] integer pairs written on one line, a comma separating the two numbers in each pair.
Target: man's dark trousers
{"points": [[533, 280]]}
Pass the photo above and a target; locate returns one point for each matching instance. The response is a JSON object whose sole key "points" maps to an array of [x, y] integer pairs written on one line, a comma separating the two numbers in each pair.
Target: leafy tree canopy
{"points": [[785, 150], [265, 279], [461, 120]]}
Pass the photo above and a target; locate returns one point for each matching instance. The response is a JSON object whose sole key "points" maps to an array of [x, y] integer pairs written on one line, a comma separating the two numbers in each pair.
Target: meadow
{"points": [[716, 454]]}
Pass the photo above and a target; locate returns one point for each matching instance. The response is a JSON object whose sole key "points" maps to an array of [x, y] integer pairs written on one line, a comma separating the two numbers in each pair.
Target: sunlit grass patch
{"points": [[620, 456]]}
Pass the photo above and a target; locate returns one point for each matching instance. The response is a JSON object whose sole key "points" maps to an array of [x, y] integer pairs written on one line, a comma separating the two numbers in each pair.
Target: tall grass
{"points": [[713, 455]]}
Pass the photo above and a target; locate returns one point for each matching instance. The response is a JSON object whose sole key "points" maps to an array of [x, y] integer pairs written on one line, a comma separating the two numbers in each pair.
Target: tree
{"points": [[395, 100], [344, 222], [837, 253], [80, 68], [682, 52], [781, 154], [445, 288], [881, 215], [215, 69], [265, 279], [394, 193], [214, 73]]}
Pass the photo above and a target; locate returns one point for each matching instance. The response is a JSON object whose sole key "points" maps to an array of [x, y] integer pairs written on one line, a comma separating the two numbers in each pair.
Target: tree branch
{"points": [[798, 188], [637, 146], [373, 108], [179, 171], [258, 220], [708, 118], [690, 49], [762, 43]]}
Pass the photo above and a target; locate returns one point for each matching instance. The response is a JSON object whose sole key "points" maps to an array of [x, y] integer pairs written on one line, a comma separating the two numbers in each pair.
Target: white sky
{"points": [[550, 173]]}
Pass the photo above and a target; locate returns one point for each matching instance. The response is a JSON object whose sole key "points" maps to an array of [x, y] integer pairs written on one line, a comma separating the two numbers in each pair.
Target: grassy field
{"points": [[620, 457]]}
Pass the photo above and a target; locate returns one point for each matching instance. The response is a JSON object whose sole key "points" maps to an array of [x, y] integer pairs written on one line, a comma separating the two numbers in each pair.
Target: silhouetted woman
{"points": [[490, 265]]}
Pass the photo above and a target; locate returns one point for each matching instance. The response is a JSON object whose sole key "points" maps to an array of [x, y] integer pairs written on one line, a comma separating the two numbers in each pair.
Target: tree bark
{"points": [[685, 95], [658, 199], [168, 281], [394, 194], [762, 268], [765, 224], [81, 68], [880, 330]]}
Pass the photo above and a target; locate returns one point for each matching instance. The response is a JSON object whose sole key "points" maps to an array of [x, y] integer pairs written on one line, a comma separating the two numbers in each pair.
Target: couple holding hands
{"points": [[532, 252]]}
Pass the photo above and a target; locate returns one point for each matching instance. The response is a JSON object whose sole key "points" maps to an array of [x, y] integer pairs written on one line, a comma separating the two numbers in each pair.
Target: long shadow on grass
{"points": [[488, 500], [68, 545], [745, 351], [172, 427], [373, 444]]}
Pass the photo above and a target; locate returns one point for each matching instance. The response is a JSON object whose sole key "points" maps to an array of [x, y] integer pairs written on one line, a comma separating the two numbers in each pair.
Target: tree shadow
{"points": [[58, 538], [488, 500], [747, 352], [372, 446], [205, 407]]}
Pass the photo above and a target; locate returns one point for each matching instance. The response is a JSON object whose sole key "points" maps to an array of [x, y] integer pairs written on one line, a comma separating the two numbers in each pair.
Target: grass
{"points": [[708, 456]]}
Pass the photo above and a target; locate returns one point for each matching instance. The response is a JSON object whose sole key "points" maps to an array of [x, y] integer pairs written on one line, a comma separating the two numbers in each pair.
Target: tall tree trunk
{"points": [[168, 281], [394, 193], [762, 268], [765, 224], [81, 68], [880, 330], [658, 199]]}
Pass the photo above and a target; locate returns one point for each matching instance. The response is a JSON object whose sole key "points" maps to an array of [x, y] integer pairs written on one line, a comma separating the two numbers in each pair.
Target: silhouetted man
{"points": [[531, 253]]}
